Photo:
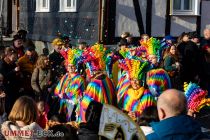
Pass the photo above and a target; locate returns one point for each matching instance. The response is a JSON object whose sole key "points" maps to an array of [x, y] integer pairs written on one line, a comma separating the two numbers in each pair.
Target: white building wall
{"points": [[205, 16], [126, 18], [158, 18], [181, 24]]}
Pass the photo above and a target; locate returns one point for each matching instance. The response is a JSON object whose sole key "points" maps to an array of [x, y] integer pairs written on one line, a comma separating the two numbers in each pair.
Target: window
{"points": [[68, 5], [42, 5], [185, 7]]}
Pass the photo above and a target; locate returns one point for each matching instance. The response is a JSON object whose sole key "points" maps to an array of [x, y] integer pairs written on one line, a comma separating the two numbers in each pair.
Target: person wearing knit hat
{"points": [[133, 98], [100, 88], [71, 86]]}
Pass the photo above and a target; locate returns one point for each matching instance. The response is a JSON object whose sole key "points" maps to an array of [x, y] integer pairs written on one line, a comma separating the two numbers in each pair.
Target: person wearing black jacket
{"points": [[11, 74], [191, 60]]}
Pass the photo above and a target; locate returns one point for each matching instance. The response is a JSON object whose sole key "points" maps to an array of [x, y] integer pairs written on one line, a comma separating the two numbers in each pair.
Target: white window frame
{"points": [[41, 8], [65, 8], [195, 8]]}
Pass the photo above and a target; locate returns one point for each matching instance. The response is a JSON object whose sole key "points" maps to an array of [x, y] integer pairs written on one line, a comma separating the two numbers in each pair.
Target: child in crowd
{"points": [[42, 113]]}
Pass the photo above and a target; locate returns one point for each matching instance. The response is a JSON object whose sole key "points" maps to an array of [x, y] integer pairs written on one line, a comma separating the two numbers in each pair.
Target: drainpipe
{"points": [[101, 19]]}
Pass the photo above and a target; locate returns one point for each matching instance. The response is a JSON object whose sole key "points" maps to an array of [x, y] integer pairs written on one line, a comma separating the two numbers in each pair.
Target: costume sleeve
{"points": [[146, 100], [58, 89]]}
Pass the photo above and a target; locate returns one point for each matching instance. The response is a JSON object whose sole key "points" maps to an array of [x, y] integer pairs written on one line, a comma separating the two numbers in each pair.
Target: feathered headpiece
{"points": [[74, 56], [95, 58], [158, 81], [135, 68], [153, 47], [196, 97]]}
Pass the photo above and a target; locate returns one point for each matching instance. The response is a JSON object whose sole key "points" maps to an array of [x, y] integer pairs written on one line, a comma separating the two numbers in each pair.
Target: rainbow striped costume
{"points": [[100, 90], [71, 89], [122, 86], [137, 100]]}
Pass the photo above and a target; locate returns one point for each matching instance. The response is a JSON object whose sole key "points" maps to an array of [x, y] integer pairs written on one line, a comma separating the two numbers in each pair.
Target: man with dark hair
{"points": [[174, 123]]}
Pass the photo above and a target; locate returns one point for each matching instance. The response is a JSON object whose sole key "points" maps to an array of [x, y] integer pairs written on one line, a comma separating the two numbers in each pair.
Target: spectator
{"points": [[45, 51], [149, 115], [172, 66], [169, 39], [184, 37], [194, 37], [82, 46], [11, 74], [27, 65], [205, 49], [28, 61], [191, 61], [18, 45], [3, 114], [23, 116], [42, 113], [22, 34], [57, 61], [41, 78], [144, 37], [174, 123]]}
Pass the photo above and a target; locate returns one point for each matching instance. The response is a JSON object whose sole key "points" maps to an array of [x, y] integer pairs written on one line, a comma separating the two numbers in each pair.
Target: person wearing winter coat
{"points": [[174, 122]]}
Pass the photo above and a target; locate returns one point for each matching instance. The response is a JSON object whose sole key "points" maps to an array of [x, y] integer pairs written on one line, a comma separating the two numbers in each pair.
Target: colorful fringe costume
{"points": [[158, 81], [100, 88], [129, 99], [196, 97], [137, 100], [70, 88]]}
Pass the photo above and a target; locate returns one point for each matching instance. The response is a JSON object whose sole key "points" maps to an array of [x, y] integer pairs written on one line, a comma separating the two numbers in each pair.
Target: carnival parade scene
{"points": [[104, 70]]}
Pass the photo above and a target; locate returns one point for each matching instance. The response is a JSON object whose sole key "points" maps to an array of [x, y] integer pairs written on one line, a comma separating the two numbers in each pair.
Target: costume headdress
{"points": [[158, 81], [95, 58], [196, 97], [153, 47], [74, 56], [135, 68]]}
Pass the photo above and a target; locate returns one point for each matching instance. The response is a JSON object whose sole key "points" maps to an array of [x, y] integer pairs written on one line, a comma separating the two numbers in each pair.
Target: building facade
{"points": [[105, 20]]}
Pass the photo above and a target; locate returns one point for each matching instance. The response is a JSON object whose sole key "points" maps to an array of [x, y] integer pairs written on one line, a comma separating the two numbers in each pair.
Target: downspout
{"points": [[101, 19], [2, 1]]}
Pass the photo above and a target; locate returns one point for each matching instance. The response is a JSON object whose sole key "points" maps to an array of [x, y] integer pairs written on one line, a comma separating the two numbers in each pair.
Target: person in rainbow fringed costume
{"points": [[72, 85], [100, 87], [157, 79], [133, 98]]}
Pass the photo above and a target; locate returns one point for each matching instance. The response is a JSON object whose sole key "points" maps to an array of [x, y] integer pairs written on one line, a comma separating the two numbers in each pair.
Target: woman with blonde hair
{"points": [[41, 78], [22, 118]]}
